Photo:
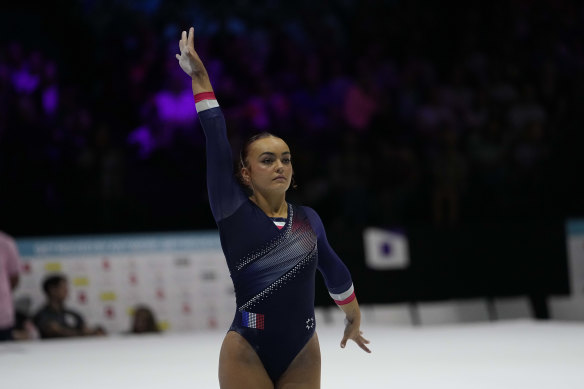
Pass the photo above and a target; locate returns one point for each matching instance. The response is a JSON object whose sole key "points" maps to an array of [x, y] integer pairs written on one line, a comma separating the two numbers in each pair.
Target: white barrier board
{"points": [[182, 277]]}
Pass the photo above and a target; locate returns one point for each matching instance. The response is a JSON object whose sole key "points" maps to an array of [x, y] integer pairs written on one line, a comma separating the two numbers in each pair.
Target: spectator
{"points": [[144, 321], [9, 276], [54, 320]]}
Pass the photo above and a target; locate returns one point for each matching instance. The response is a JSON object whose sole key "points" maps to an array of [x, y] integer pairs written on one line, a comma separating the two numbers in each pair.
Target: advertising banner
{"points": [[181, 277]]}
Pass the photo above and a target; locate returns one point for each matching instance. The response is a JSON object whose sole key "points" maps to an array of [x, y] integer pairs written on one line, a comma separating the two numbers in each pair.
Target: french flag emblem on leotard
{"points": [[252, 320]]}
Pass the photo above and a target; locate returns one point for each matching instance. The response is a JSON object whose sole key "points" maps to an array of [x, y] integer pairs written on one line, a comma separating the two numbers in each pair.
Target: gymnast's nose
{"points": [[279, 166]]}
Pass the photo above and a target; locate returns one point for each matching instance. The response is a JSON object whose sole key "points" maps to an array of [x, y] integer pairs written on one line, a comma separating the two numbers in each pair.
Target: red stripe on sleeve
{"points": [[204, 96], [347, 300]]}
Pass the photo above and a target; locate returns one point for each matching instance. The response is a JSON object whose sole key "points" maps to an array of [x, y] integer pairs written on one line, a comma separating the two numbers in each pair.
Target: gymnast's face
{"points": [[269, 166]]}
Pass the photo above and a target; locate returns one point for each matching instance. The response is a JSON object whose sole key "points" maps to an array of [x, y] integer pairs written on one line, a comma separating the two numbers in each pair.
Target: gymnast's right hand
{"points": [[188, 59]]}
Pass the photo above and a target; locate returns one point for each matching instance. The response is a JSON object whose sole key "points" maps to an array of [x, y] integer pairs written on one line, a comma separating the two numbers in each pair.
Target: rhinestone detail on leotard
{"points": [[270, 245], [281, 281]]}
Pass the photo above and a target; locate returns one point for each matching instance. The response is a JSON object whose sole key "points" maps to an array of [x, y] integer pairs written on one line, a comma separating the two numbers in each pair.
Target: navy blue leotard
{"points": [[272, 267]]}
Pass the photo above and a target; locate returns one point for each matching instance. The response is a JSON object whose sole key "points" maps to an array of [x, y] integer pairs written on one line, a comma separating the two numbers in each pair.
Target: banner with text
{"points": [[182, 277]]}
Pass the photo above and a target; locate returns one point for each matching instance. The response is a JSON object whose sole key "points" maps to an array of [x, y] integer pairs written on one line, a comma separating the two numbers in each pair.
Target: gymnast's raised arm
{"points": [[225, 194]]}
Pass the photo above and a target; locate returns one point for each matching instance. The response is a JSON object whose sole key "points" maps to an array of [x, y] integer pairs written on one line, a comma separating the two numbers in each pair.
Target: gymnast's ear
{"points": [[244, 174]]}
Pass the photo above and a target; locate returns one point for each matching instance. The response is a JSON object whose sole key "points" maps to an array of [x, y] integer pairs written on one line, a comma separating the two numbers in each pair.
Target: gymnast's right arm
{"points": [[225, 194]]}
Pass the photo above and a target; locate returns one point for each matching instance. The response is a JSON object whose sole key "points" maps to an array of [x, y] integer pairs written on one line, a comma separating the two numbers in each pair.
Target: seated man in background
{"points": [[56, 321]]}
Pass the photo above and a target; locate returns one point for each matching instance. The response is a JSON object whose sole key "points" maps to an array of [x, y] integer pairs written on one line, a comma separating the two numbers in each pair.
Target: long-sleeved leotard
{"points": [[272, 267]]}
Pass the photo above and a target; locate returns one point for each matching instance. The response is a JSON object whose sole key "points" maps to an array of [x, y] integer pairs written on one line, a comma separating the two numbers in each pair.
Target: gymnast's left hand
{"points": [[353, 332]]}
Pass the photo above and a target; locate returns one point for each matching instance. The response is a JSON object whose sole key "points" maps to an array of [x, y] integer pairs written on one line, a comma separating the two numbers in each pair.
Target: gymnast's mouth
{"points": [[279, 178]]}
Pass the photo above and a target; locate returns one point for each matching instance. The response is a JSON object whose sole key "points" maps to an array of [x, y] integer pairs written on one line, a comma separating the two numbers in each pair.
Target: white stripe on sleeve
{"points": [[344, 295], [206, 104]]}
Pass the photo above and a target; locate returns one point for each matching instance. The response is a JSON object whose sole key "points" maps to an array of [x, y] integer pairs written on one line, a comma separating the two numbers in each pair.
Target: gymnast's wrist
{"points": [[353, 319], [201, 84]]}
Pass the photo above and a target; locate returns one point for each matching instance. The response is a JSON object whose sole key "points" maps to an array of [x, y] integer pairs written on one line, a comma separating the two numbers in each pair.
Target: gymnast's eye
{"points": [[268, 161], [286, 161]]}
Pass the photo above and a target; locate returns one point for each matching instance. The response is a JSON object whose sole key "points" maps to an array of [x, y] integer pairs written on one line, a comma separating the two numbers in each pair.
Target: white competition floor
{"points": [[514, 355]]}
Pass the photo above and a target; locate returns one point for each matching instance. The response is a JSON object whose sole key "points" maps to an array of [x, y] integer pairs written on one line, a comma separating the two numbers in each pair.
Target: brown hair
{"points": [[245, 148], [52, 281], [150, 325]]}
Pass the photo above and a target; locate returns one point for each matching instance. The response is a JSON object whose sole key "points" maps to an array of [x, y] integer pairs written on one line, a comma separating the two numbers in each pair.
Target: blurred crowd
{"points": [[396, 111]]}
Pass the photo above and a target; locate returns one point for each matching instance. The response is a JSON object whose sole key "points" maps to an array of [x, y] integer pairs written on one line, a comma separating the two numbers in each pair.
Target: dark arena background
{"points": [[441, 143]]}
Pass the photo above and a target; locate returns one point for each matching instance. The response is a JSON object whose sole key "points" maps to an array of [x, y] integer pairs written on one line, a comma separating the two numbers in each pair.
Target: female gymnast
{"points": [[272, 248]]}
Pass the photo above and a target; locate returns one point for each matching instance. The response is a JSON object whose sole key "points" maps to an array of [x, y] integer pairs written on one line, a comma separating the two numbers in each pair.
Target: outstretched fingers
{"points": [[344, 341], [362, 342], [186, 43], [359, 339], [191, 38], [181, 43]]}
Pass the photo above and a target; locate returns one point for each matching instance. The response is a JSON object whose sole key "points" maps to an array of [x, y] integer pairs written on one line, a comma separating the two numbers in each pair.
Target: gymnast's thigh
{"points": [[239, 365], [304, 371]]}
